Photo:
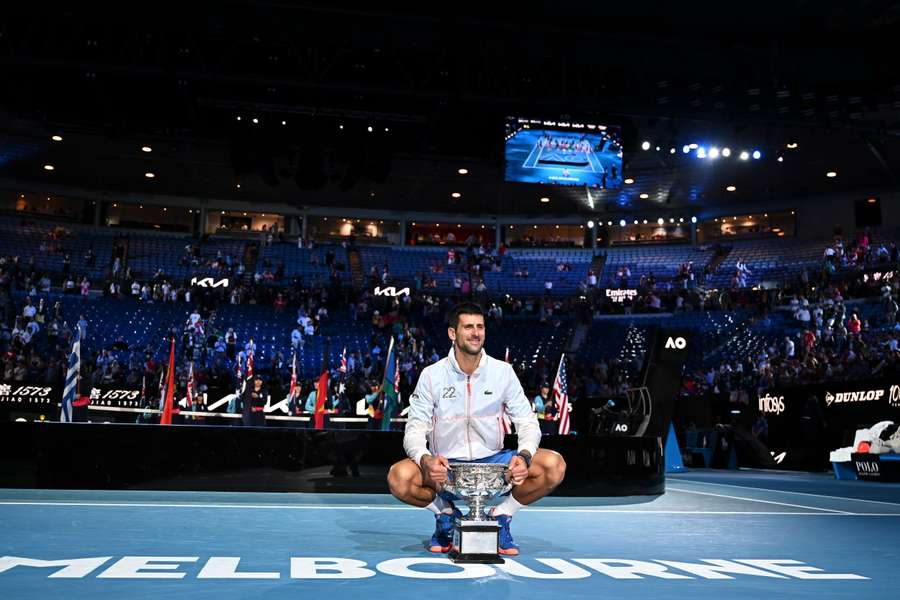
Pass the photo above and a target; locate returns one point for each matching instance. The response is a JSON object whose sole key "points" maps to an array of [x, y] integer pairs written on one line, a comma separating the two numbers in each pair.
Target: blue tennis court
{"points": [[740, 534]]}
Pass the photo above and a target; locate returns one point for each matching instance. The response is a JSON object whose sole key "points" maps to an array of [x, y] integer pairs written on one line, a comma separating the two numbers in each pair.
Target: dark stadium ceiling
{"points": [[435, 88]]}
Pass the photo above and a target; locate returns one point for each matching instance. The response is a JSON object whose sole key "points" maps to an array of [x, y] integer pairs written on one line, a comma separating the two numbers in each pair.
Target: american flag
{"points": [[70, 392], [561, 396]]}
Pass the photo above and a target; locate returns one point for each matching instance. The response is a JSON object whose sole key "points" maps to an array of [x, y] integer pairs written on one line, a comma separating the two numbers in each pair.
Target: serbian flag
{"points": [[391, 386], [507, 424], [321, 398], [166, 418], [249, 367]]}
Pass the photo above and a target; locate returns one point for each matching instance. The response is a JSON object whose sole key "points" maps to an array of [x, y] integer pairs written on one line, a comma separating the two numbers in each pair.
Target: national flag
{"points": [[166, 418], [321, 399], [73, 374], [249, 367], [162, 388], [343, 368], [190, 386], [561, 396], [391, 386]]}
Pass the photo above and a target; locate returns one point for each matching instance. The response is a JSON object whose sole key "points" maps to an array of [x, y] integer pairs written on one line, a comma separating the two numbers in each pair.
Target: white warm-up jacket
{"points": [[460, 416]]}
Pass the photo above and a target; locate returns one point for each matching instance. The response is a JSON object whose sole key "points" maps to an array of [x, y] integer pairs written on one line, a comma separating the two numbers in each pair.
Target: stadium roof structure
{"points": [[311, 104]]}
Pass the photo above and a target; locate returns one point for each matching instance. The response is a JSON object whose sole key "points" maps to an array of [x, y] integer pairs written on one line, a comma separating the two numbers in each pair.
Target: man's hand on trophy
{"points": [[435, 468], [518, 470]]}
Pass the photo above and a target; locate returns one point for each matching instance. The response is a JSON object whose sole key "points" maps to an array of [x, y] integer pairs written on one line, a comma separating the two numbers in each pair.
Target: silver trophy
{"points": [[476, 534]]}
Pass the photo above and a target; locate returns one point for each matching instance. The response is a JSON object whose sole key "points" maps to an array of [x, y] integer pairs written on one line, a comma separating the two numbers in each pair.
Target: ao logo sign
{"points": [[771, 404], [209, 282], [391, 291], [680, 343]]}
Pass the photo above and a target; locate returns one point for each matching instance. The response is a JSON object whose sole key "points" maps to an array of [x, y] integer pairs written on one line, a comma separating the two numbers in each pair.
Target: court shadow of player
{"points": [[393, 541]]}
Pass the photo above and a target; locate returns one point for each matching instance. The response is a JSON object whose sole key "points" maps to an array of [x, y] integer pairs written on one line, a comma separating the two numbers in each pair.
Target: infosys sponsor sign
{"points": [[228, 568]]}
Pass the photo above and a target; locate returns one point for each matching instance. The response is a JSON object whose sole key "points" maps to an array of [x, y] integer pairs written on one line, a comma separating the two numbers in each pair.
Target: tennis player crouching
{"points": [[456, 415]]}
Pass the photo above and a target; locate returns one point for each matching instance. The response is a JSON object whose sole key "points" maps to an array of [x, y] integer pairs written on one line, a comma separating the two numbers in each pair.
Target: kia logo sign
{"points": [[771, 404], [679, 342], [391, 291], [209, 282]]}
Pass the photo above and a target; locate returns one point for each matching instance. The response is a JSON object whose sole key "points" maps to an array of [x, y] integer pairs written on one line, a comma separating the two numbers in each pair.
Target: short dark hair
{"points": [[463, 308]]}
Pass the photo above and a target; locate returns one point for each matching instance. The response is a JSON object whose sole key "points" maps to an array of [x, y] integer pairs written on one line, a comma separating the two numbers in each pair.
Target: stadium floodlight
{"points": [[645, 145], [56, 138], [609, 223], [780, 159], [686, 149], [369, 129], [635, 221], [714, 153], [590, 224], [744, 155], [621, 222], [660, 221], [693, 219], [701, 152], [828, 174], [671, 220], [671, 150], [726, 152], [255, 121], [757, 155]]}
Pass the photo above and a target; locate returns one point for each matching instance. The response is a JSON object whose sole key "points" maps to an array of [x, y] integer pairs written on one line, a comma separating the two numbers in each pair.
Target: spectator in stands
{"points": [[280, 303], [29, 310], [788, 347], [854, 326], [548, 287]]}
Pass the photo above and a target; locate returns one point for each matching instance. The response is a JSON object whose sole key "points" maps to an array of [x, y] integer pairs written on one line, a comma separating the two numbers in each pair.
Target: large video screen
{"points": [[563, 153]]}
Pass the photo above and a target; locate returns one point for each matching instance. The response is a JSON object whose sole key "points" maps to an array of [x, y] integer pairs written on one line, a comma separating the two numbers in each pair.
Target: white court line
{"points": [[525, 164], [746, 487], [757, 500], [364, 507]]}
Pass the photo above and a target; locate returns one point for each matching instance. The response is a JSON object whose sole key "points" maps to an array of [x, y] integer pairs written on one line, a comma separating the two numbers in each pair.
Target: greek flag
{"points": [[70, 392]]}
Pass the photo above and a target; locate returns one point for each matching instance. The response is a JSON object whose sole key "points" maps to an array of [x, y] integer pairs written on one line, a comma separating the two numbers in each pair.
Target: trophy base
{"points": [[476, 542]]}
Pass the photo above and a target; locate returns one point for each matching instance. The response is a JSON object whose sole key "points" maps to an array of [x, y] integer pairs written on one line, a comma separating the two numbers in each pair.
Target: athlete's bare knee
{"points": [[553, 467], [402, 477]]}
